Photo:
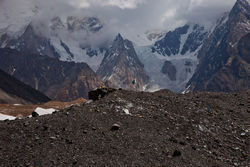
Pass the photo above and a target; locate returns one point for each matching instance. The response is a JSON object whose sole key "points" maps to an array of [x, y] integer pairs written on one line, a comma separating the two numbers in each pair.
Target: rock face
{"points": [[224, 57], [181, 40], [64, 81], [171, 43], [121, 66], [32, 43], [162, 129], [90, 24], [12, 91], [170, 70]]}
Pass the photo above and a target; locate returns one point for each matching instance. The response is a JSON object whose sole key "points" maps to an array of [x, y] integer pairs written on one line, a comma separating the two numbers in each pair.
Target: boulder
{"points": [[100, 93]]}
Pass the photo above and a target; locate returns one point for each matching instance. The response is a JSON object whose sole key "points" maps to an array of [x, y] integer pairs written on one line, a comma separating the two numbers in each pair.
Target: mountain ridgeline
{"points": [[171, 43], [224, 58], [121, 66], [191, 57]]}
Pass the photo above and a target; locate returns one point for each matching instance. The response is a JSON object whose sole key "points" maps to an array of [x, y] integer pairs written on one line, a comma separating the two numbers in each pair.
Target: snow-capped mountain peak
{"points": [[121, 66], [171, 61]]}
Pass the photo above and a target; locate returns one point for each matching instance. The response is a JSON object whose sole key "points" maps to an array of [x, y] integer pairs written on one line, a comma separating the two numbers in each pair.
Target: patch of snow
{"points": [[17, 104], [89, 101], [233, 45], [153, 88], [129, 105], [42, 111], [184, 38], [186, 90], [126, 47], [6, 117], [139, 39], [225, 20], [42, 47], [126, 111], [80, 54], [12, 47]]}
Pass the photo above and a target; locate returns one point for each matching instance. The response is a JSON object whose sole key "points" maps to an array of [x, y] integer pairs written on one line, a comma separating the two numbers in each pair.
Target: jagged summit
{"points": [[241, 8], [222, 66], [119, 37], [121, 66]]}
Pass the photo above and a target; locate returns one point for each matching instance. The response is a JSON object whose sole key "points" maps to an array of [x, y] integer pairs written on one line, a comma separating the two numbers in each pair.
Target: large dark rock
{"points": [[170, 70], [100, 93]]}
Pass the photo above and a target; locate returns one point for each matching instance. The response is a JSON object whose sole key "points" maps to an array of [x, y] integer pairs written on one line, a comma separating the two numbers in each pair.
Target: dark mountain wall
{"points": [[64, 81], [224, 57], [14, 91]]}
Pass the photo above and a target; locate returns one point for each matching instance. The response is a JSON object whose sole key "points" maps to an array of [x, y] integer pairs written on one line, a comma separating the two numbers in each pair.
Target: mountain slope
{"points": [[65, 81], [224, 64], [67, 40], [121, 66], [172, 60], [180, 41], [32, 43], [13, 91]]}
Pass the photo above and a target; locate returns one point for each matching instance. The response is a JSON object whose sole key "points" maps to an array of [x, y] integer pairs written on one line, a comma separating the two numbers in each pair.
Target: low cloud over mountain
{"points": [[132, 16]]}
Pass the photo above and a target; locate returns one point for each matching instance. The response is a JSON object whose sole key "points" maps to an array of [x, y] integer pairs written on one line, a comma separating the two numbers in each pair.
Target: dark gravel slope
{"points": [[162, 129]]}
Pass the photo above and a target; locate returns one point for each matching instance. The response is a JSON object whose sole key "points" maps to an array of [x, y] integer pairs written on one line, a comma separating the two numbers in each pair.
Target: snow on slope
{"points": [[153, 63], [79, 54], [72, 38], [145, 39], [42, 111], [185, 65], [6, 117]]}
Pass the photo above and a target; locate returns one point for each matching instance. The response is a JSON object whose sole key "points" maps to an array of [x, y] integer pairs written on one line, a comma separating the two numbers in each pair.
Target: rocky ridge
{"points": [[223, 64], [121, 66]]}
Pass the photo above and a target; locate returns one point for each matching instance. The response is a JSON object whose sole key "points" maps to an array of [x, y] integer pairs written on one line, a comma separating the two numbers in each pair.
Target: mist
{"points": [[125, 16]]}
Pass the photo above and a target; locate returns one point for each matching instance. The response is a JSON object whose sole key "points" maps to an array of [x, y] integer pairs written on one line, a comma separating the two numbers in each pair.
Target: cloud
{"points": [[137, 15], [125, 16], [123, 4]]}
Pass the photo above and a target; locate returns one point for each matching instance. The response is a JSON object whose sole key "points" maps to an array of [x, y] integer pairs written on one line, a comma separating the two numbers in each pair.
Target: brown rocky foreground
{"points": [[135, 129]]}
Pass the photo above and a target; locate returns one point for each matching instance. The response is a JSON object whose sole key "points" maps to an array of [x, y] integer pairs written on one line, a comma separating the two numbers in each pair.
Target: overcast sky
{"points": [[148, 13], [126, 15]]}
